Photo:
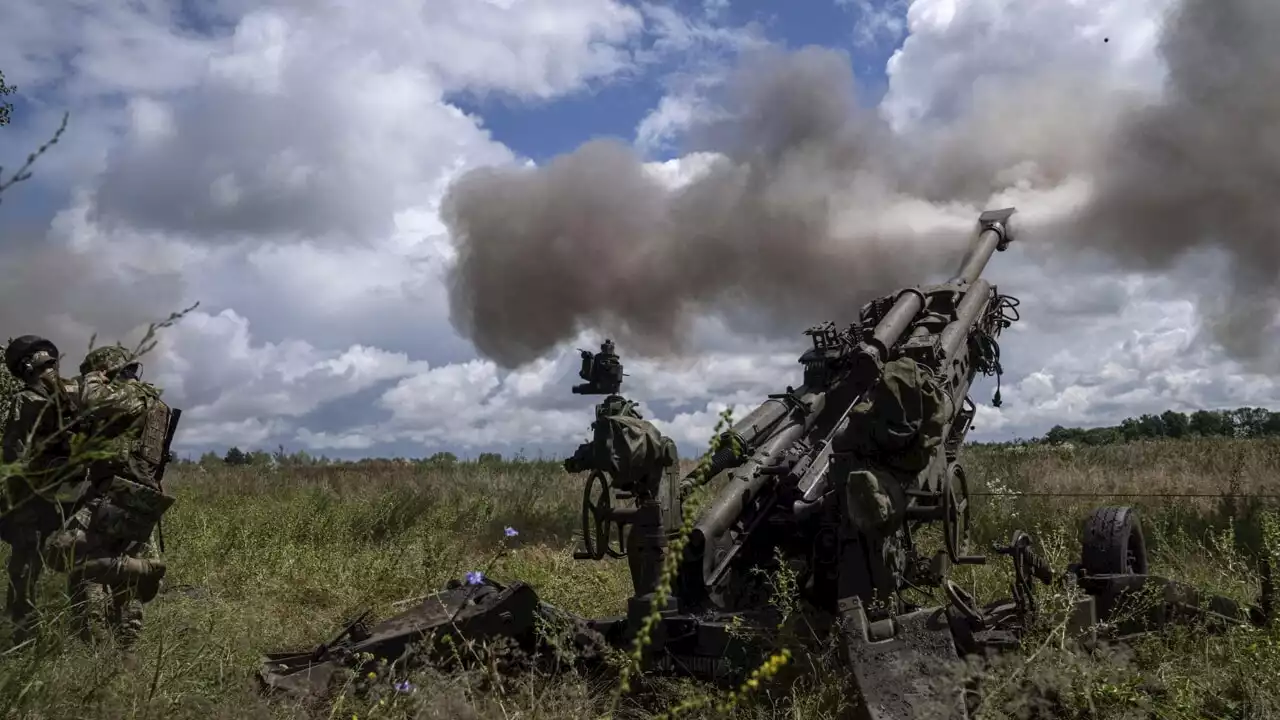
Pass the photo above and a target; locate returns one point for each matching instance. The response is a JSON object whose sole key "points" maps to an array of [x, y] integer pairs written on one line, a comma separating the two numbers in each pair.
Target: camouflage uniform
{"points": [[892, 437], [37, 438], [110, 539]]}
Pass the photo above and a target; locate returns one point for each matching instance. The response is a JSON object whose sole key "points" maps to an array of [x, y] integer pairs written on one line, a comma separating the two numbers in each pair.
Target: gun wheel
{"points": [[597, 510], [956, 515], [962, 602], [1114, 543]]}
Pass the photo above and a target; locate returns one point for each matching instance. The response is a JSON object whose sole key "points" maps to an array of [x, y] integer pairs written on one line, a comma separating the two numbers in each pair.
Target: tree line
{"points": [[1245, 422], [234, 456]]}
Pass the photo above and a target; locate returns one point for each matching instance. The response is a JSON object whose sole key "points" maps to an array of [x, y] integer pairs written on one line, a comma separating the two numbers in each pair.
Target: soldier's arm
{"points": [[104, 401]]}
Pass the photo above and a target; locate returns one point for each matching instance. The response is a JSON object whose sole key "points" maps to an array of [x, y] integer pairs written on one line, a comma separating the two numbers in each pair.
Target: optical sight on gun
{"points": [[602, 371]]}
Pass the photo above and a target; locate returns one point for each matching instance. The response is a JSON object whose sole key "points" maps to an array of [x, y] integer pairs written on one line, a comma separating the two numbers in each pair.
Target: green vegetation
{"points": [[274, 557], [1242, 422]]}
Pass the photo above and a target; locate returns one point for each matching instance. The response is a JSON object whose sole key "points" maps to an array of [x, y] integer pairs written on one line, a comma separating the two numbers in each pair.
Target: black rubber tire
{"points": [[1114, 543]]}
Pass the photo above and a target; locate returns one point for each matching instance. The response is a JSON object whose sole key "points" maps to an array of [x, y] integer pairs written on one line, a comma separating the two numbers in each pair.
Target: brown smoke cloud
{"points": [[794, 223], [815, 205]]}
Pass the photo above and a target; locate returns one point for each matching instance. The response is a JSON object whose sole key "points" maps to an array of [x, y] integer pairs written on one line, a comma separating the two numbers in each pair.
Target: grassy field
{"points": [[267, 560]]}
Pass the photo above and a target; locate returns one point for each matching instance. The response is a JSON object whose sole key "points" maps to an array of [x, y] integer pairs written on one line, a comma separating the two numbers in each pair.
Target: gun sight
{"points": [[602, 372]]}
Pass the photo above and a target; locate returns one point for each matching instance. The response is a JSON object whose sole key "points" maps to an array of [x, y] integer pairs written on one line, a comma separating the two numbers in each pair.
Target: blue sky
{"points": [[541, 130]]}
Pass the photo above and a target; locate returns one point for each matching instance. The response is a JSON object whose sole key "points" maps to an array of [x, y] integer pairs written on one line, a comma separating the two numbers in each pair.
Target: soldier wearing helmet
{"points": [[110, 539], [114, 361], [45, 487]]}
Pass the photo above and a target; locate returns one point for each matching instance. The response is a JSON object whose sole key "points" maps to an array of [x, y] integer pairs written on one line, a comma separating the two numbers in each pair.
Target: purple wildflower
{"points": [[475, 577], [403, 686], [511, 532]]}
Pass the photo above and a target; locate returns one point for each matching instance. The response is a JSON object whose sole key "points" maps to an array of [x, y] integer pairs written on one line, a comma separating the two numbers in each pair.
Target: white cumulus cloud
{"points": [[285, 167]]}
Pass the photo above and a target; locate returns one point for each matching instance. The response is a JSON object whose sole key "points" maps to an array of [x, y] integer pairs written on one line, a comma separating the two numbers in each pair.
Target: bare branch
{"points": [[24, 172]]}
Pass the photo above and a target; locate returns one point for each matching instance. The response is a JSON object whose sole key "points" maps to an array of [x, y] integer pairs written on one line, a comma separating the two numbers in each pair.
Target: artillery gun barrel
{"points": [[896, 321], [977, 258], [748, 480], [995, 232], [750, 429], [971, 307], [763, 418], [756, 426]]}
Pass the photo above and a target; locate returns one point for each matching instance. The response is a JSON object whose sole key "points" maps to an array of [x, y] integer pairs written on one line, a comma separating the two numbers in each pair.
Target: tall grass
{"points": [[276, 559]]}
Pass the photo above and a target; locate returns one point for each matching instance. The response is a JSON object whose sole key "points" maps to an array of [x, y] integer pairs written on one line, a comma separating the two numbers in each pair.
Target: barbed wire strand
{"points": [[1220, 496]]}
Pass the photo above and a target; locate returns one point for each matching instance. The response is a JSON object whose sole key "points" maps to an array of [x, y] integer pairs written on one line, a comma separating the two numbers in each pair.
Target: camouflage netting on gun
{"points": [[630, 449], [900, 422], [892, 436]]}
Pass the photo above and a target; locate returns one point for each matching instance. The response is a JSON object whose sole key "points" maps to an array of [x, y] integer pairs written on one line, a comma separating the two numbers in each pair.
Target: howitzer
{"points": [[833, 479], [774, 464]]}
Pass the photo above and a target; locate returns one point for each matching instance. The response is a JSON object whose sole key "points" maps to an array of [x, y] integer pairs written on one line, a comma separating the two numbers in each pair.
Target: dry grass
{"points": [[276, 559]]}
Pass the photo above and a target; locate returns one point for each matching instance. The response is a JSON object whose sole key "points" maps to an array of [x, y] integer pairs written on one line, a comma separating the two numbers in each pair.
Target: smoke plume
{"points": [[814, 205], [797, 220], [1201, 168]]}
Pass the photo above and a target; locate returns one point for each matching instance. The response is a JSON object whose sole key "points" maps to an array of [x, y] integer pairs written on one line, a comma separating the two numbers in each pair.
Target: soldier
{"points": [[891, 438], [110, 539], [37, 439], [98, 606]]}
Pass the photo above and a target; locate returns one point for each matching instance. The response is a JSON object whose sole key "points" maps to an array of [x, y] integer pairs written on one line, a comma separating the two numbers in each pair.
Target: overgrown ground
{"points": [[274, 560]]}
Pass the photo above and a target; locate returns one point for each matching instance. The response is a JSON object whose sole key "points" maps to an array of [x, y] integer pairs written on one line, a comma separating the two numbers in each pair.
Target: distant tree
{"points": [[1150, 426], [1130, 430], [1207, 423], [1058, 434], [1176, 424], [489, 459], [1250, 422], [6, 107], [235, 456], [1271, 427], [443, 458], [1101, 436]]}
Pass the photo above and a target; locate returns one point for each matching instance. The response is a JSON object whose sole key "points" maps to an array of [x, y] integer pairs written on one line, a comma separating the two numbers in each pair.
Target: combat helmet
{"points": [[22, 348], [111, 360]]}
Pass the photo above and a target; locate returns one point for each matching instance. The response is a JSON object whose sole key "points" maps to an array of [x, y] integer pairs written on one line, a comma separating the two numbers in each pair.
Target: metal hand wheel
{"points": [[597, 519], [956, 515]]}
